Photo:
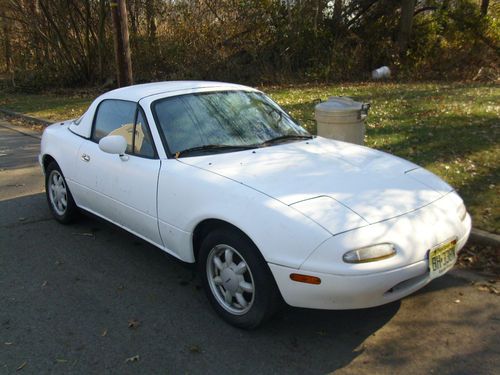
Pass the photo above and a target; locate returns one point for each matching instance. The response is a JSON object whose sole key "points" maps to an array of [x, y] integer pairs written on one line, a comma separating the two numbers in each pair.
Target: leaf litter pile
{"points": [[484, 259]]}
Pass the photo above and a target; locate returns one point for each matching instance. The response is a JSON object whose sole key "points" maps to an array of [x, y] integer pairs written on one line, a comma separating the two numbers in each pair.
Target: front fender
{"points": [[188, 195]]}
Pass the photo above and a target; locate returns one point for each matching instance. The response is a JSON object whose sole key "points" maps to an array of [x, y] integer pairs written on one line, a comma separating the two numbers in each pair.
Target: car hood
{"points": [[371, 185]]}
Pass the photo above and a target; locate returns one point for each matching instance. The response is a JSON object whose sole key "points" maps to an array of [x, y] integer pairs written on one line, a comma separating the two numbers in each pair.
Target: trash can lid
{"points": [[339, 104]]}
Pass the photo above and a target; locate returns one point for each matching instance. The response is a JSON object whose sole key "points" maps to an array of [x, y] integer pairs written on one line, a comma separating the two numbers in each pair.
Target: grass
{"points": [[451, 129], [49, 106]]}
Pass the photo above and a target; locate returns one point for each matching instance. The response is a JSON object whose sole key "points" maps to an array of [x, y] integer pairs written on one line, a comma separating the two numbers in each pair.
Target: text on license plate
{"points": [[442, 258]]}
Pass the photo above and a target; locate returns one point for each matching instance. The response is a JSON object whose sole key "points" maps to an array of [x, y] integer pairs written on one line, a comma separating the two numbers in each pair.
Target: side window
{"points": [[115, 117], [143, 144]]}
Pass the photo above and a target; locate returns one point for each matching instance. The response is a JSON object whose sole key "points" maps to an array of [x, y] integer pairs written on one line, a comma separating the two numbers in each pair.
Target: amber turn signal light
{"points": [[305, 279]]}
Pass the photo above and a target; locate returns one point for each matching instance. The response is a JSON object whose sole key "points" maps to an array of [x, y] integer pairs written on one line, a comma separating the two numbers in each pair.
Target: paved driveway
{"points": [[84, 298]]}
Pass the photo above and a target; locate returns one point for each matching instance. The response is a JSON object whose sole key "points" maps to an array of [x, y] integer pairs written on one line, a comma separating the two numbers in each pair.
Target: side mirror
{"points": [[113, 144]]}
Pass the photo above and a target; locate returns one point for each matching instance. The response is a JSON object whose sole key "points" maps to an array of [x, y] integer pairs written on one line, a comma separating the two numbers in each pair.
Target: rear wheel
{"points": [[237, 280], [59, 197]]}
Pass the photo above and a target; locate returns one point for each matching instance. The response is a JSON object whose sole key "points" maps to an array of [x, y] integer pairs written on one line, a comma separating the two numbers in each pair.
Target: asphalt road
{"points": [[84, 298]]}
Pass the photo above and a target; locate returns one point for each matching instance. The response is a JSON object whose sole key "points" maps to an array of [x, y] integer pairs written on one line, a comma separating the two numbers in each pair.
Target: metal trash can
{"points": [[342, 118]]}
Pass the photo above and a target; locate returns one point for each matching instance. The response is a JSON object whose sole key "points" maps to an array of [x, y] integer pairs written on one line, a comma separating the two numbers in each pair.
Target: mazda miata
{"points": [[219, 175]]}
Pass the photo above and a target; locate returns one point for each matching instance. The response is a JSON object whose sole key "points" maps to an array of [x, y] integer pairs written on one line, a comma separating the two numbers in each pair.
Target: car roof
{"points": [[138, 92], [152, 91]]}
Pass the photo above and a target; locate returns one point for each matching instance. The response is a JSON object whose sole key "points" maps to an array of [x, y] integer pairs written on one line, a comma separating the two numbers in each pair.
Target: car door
{"points": [[121, 188]]}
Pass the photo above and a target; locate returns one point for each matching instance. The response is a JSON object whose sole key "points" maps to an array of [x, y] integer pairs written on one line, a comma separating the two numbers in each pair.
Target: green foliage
{"points": [[453, 42]]}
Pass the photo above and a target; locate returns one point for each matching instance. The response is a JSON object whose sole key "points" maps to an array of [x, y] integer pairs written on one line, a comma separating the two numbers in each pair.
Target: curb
{"points": [[26, 117], [484, 238], [477, 236], [21, 129]]}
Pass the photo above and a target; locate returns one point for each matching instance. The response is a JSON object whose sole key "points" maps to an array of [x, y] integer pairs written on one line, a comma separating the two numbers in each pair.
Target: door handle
{"points": [[85, 157]]}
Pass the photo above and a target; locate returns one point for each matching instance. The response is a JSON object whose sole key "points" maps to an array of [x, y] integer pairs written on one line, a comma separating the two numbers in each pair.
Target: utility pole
{"points": [[122, 48]]}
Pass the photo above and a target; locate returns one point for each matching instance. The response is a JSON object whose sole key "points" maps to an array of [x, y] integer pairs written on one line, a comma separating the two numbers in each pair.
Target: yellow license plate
{"points": [[442, 258]]}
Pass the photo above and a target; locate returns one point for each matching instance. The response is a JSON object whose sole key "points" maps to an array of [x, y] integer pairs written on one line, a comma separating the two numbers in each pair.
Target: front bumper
{"points": [[353, 290]]}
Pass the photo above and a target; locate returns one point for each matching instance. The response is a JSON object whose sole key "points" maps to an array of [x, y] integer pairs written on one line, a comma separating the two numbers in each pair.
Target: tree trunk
{"points": [[88, 46], [151, 20], [289, 12], [122, 49], [484, 7], [406, 23], [316, 16], [7, 46], [35, 11], [101, 38], [132, 10], [337, 12]]}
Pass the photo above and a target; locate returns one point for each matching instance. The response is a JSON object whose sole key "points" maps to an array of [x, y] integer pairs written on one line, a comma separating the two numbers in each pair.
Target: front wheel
{"points": [[237, 280], [59, 197]]}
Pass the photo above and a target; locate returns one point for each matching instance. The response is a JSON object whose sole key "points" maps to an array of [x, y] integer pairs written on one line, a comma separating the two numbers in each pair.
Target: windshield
{"points": [[225, 120]]}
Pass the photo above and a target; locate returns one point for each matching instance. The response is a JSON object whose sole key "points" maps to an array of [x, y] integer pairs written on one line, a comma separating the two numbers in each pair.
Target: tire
{"points": [[61, 203], [237, 280]]}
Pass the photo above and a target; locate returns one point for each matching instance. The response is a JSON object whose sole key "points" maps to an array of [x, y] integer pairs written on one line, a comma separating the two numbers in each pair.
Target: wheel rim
{"points": [[230, 279], [58, 192]]}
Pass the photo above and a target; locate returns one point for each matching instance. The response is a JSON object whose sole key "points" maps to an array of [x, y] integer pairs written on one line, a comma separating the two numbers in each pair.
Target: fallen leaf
{"points": [[21, 366], [194, 349], [488, 288], [135, 358], [133, 323]]}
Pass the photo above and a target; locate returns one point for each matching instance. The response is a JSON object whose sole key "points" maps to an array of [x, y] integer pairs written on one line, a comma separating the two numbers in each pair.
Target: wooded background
{"points": [[68, 43]]}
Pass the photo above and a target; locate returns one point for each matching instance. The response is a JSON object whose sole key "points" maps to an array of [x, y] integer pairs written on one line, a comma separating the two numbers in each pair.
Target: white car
{"points": [[219, 175]]}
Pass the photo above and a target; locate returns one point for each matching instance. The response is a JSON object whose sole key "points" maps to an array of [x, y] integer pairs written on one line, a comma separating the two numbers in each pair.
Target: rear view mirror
{"points": [[113, 144]]}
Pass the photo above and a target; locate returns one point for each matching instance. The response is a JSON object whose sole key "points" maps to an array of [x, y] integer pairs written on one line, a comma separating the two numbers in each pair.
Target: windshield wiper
{"points": [[285, 138], [206, 148]]}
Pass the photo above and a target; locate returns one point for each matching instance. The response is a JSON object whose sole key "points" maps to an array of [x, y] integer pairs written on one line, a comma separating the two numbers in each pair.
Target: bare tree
{"points": [[122, 48]]}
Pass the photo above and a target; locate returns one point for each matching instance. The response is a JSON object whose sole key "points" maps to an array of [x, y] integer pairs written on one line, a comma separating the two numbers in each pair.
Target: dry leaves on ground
{"points": [[133, 323], [481, 258]]}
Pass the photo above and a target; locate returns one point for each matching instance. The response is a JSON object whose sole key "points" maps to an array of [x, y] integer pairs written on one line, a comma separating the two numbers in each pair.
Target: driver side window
{"points": [[120, 117], [115, 117]]}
